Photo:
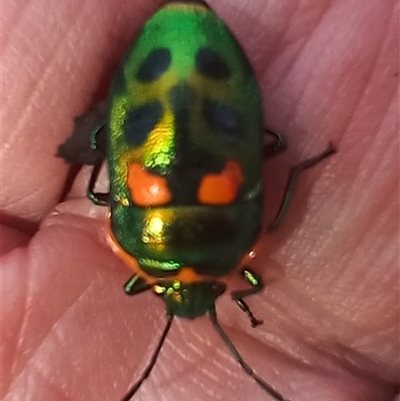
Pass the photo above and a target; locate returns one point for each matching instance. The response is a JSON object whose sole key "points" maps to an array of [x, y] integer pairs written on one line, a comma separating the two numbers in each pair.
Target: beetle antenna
{"points": [[131, 392], [249, 371]]}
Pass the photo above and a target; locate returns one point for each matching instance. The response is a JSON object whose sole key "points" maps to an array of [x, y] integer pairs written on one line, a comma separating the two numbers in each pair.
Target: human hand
{"points": [[327, 72]]}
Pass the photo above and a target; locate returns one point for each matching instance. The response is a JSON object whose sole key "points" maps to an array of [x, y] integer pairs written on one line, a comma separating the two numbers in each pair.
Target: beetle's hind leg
{"points": [[278, 144], [257, 286], [98, 198], [96, 142], [86, 146], [292, 179]]}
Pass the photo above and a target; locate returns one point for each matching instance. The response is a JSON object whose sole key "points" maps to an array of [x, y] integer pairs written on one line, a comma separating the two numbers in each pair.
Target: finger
{"points": [[299, 273], [73, 334]]}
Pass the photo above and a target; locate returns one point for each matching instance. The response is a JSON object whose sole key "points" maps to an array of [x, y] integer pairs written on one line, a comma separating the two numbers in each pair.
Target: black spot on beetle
{"points": [[211, 64], [155, 64], [226, 121], [141, 121], [182, 98]]}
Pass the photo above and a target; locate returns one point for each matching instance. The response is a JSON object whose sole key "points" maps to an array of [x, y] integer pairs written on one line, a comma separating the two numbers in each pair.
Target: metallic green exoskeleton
{"points": [[185, 153], [185, 146], [185, 149]]}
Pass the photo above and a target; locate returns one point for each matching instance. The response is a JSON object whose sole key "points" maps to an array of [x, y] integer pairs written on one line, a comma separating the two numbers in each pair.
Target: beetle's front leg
{"points": [[256, 282]]}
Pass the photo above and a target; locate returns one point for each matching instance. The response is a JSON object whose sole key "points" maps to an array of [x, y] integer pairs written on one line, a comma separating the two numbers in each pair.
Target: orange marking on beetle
{"points": [[188, 275], [128, 259], [147, 189], [221, 189]]}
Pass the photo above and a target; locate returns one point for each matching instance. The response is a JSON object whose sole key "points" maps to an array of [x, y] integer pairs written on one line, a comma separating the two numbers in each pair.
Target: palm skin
{"points": [[328, 72]]}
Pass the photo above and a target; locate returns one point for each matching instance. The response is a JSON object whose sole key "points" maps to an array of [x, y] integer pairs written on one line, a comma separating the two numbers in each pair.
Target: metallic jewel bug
{"points": [[183, 136]]}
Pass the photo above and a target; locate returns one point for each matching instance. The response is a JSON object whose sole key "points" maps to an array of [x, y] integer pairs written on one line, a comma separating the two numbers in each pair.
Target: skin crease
{"points": [[328, 71]]}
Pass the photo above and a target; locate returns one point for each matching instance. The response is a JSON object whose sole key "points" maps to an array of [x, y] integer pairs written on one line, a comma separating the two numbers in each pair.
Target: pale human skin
{"points": [[328, 71]]}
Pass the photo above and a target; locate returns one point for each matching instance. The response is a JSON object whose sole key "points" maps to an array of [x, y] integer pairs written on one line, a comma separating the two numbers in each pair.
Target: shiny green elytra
{"points": [[185, 149], [185, 154]]}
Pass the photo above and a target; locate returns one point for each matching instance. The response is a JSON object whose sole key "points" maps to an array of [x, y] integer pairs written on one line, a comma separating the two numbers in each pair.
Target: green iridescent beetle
{"points": [[183, 136], [185, 147]]}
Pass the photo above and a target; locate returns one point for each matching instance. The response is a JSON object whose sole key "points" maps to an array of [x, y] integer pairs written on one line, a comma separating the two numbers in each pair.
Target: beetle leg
{"points": [[256, 282], [272, 148], [98, 198], [96, 142], [291, 182], [95, 138], [136, 285]]}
